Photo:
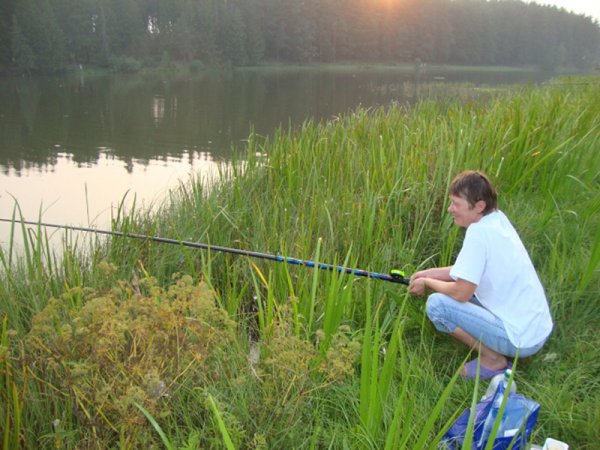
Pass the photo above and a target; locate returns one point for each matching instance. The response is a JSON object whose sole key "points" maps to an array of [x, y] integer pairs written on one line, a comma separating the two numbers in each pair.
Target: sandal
{"points": [[484, 372]]}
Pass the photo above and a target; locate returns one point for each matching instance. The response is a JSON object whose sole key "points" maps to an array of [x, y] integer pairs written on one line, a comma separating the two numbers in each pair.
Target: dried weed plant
{"points": [[295, 371], [135, 343]]}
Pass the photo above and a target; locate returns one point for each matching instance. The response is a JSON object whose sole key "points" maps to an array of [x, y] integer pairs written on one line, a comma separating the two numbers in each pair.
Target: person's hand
{"points": [[417, 286], [419, 274]]}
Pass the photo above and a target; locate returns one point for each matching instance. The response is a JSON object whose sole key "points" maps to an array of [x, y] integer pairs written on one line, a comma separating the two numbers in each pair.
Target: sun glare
{"points": [[386, 3]]}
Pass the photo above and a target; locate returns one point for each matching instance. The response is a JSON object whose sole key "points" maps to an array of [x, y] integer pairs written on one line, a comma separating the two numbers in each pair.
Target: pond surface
{"points": [[73, 148]]}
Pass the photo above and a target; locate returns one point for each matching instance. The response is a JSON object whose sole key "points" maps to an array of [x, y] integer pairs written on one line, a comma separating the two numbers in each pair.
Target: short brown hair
{"points": [[474, 186]]}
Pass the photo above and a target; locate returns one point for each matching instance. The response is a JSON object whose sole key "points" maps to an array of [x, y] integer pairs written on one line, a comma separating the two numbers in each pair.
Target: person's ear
{"points": [[480, 206]]}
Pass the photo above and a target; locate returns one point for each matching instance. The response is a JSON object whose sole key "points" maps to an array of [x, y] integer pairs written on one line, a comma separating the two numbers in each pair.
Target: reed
{"points": [[343, 362]]}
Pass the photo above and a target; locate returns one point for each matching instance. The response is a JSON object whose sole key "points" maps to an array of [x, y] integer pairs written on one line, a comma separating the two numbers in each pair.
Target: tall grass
{"points": [[343, 362]]}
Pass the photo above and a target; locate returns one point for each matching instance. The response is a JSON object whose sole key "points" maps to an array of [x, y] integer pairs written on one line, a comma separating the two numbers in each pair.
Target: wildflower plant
{"points": [[136, 343]]}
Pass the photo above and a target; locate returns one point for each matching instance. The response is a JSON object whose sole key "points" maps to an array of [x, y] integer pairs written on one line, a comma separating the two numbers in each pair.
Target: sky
{"points": [[587, 7]]}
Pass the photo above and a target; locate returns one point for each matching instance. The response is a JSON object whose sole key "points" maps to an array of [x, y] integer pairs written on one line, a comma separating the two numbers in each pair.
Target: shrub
{"points": [[125, 64]]}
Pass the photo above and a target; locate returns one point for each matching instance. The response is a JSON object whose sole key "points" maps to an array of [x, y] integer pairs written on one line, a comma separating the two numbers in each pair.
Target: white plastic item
{"points": [[494, 382], [495, 408], [553, 444]]}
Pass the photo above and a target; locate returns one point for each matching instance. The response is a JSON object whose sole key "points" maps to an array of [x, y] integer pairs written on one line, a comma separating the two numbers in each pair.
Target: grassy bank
{"points": [[146, 345]]}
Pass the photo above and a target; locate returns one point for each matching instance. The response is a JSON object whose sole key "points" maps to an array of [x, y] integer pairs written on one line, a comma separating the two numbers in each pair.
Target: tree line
{"points": [[53, 35]]}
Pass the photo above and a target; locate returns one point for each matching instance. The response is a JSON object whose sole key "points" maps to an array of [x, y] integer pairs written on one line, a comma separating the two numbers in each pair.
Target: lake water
{"points": [[71, 148]]}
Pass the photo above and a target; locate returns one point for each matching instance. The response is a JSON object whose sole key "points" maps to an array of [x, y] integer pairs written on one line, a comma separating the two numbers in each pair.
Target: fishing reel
{"points": [[399, 276]]}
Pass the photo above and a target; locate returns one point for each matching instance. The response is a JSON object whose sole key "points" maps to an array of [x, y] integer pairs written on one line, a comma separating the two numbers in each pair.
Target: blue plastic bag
{"points": [[521, 416]]}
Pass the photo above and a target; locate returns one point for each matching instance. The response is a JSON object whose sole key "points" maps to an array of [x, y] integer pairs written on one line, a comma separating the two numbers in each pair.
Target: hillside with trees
{"points": [[53, 35]]}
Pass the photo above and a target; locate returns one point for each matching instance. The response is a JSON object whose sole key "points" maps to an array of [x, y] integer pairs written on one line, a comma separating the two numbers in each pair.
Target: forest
{"points": [[45, 36]]}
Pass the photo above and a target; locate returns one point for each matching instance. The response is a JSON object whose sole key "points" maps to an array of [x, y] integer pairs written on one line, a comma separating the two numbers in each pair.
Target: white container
{"points": [[491, 389], [553, 444]]}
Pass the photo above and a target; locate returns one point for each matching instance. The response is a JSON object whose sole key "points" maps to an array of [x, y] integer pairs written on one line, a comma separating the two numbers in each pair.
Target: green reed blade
{"points": [[156, 426], [226, 438]]}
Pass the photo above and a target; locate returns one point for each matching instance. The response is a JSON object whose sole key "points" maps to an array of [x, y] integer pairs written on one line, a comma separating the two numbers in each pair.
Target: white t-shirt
{"points": [[494, 258]]}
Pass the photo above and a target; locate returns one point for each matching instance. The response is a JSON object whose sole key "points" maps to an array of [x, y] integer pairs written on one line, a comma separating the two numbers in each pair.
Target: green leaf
{"points": [[156, 426], [226, 438]]}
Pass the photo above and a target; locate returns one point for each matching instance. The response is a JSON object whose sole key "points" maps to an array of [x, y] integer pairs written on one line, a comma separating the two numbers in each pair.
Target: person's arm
{"points": [[460, 290], [437, 273], [438, 279]]}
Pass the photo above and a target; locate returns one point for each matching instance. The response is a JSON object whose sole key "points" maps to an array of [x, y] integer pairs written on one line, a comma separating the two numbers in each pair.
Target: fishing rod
{"points": [[395, 276]]}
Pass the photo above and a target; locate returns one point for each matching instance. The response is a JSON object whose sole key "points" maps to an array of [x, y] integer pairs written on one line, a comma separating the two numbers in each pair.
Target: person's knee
{"points": [[435, 306]]}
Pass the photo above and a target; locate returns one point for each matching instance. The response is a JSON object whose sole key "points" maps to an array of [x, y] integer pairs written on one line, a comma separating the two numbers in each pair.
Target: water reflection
{"points": [[71, 148], [145, 118], [75, 193], [158, 109]]}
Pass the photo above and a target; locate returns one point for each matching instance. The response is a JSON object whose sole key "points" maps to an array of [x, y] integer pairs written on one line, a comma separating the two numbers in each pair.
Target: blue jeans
{"points": [[447, 314]]}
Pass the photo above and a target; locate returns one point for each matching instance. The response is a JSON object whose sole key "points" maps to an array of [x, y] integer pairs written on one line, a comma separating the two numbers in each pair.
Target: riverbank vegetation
{"points": [[125, 343], [128, 35]]}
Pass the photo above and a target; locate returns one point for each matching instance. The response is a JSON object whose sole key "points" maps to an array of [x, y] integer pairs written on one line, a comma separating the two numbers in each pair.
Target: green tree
{"points": [[51, 33], [79, 22], [290, 30], [37, 23], [127, 26], [252, 13], [232, 34], [207, 22], [181, 43], [327, 30]]}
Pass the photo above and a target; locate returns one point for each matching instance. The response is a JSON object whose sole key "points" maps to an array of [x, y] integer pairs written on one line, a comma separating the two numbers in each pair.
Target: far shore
{"points": [[196, 67]]}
